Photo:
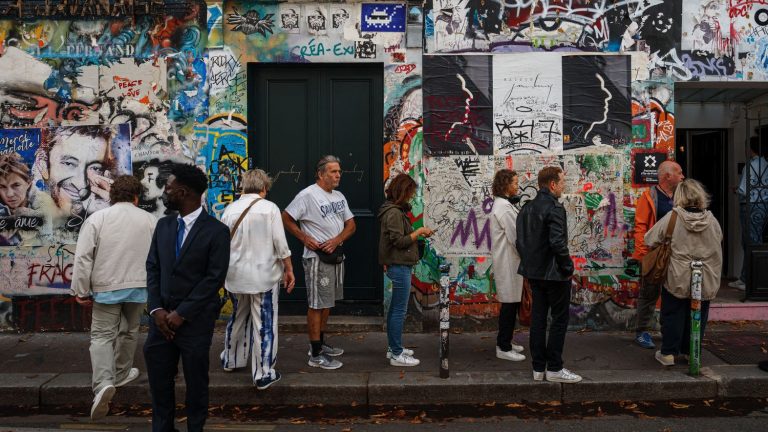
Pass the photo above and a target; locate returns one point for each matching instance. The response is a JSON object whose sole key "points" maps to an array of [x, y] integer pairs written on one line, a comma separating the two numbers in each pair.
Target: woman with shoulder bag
{"points": [[398, 253], [259, 263], [696, 236], [506, 260]]}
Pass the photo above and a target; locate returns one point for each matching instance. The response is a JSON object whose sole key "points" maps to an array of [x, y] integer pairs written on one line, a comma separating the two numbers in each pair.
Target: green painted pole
{"points": [[694, 356]]}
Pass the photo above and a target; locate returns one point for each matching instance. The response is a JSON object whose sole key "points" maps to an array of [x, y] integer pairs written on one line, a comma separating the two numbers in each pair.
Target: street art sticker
{"points": [[316, 19], [142, 81], [527, 104], [653, 117], [290, 18], [382, 17], [596, 101], [706, 26], [458, 105], [340, 16], [593, 204], [215, 25], [458, 190], [74, 167]]}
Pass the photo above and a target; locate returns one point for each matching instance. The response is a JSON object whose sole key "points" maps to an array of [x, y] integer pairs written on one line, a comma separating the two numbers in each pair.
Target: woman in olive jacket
{"points": [[398, 252]]}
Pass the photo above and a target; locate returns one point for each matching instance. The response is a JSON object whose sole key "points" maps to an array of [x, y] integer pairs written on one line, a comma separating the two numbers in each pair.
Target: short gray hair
{"points": [[691, 193], [256, 181], [325, 160]]}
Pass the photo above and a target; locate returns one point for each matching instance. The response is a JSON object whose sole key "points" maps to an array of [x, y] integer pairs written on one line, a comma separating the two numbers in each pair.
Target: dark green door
{"points": [[298, 113]]}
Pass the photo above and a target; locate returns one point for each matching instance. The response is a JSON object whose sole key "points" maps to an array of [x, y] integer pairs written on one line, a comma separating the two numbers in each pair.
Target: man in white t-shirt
{"points": [[320, 218]]}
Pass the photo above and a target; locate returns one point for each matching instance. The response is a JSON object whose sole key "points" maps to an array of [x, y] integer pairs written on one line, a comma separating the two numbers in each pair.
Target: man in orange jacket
{"points": [[653, 204]]}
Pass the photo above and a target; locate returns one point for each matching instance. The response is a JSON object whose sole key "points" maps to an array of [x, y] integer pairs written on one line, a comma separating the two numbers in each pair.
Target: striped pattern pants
{"points": [[252, 334]]}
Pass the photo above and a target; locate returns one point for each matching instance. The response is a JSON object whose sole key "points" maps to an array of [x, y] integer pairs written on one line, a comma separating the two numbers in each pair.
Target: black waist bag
{"points": [[335, 257]]}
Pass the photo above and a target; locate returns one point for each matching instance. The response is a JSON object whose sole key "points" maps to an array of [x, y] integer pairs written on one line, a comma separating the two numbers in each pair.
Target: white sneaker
{"points": [[563, 376], [406, 351], [517, 348], [403, 360], [538, 376], [132, 375], [738, 284], [509, 355], [100, 406]]}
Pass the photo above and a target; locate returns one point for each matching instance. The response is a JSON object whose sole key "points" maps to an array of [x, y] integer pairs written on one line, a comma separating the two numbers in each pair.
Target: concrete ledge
{"points": [[75, 389], [325, 387], [422, 388], [20, 389], [738, 380], [612, 385]]}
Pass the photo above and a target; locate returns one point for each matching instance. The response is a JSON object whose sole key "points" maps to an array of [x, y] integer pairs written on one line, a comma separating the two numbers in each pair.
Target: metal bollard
{"points": [[445, 318], [694, 362]]}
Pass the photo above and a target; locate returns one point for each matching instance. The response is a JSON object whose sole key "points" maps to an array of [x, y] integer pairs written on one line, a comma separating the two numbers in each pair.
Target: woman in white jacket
{"points": [[696, 237], [509, 284], [259, 259]]}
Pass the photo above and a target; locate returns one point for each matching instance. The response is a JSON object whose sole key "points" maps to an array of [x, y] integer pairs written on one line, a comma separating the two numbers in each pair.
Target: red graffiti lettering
{"points": [[49, 275], [406, 68]]}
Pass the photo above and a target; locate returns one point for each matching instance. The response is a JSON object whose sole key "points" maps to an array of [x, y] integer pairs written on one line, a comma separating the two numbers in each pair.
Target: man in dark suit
{"points": [[186, 266]]}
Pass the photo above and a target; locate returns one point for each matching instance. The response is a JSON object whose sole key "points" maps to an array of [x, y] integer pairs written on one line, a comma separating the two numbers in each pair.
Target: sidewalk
{"points": [[53, 369]]}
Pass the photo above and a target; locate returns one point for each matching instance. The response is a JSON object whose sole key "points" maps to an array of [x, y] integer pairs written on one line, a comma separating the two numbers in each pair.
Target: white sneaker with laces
{"points": [[563, 376], [538, 376], [406, 351], [100, 406], [509, 355], [132, 375], [517, 348], [403, 360]]}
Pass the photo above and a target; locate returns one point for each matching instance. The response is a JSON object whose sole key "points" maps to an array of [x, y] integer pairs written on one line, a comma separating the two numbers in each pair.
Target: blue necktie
{"points": [[180, 236]]}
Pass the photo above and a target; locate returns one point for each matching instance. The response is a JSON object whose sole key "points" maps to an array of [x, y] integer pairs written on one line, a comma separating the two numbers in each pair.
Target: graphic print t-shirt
{"points": [[320, 214]]}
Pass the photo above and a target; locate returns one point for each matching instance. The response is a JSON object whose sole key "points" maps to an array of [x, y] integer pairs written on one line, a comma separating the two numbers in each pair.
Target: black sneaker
{"points": [[265, 382]]}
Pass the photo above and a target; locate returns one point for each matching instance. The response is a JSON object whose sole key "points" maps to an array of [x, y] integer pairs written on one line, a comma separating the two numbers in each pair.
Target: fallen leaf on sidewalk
{"points": [[676, 405], [402, 374], [182, 420], [298, 421], [514, 405], [490, 404]]}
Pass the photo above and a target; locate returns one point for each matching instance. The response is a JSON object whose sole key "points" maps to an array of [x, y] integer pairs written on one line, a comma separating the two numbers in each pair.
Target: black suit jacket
{"points": [[542, 239], [190, 284]]}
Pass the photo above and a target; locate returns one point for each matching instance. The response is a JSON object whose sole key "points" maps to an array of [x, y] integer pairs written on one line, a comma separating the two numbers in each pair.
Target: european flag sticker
{"points": [[377, 17]]}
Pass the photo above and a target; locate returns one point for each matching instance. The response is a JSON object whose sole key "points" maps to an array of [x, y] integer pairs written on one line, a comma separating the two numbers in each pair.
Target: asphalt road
{"points": [[754, 422]]}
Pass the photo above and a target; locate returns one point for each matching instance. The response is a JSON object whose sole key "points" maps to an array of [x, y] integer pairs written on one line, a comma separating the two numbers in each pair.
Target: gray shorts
{"points": [[325, 283]]}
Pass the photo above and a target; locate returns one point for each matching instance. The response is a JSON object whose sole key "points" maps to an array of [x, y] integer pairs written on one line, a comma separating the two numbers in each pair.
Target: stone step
{"points": [[336, 324]]}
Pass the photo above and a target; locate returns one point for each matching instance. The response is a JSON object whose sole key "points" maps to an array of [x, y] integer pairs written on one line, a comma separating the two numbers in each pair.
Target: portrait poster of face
{"points": [[21, 212], [73, 170]]}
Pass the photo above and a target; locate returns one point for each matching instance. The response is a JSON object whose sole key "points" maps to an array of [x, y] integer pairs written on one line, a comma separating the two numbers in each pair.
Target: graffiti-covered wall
{"points": [[91, 90], [587, 85]]}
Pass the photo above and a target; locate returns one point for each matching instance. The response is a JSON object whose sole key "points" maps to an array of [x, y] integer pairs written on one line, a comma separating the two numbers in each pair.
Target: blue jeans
{"points": [[751, 231], [400, 275]]}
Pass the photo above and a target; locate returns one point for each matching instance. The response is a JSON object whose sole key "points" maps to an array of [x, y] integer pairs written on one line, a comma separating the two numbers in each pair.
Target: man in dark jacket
{"points": [[542, 240], [187, 264]]}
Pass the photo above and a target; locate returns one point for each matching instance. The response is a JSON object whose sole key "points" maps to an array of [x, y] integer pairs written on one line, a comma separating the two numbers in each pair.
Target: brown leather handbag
{"points": [[656, 261], [526, 304]]}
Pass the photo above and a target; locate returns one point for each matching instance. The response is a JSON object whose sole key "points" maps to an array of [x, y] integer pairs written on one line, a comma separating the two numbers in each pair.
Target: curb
{"points": [[405, 389]]}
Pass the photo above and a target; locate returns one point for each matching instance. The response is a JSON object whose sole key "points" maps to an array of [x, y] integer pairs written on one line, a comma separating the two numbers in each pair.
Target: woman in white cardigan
{"points": [[509, 284]]}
